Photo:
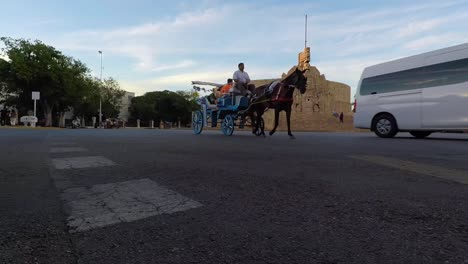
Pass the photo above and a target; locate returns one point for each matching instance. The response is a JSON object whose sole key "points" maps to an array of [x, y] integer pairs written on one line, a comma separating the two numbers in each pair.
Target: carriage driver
{"points": [[242, 80]]}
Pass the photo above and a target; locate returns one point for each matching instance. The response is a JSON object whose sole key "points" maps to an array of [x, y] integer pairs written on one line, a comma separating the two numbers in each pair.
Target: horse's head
{"points": [[297, 79]]}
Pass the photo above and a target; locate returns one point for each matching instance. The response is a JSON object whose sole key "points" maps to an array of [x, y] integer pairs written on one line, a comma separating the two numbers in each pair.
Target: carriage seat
{"points": [[239, 101], [242, 102], [205, 100]]}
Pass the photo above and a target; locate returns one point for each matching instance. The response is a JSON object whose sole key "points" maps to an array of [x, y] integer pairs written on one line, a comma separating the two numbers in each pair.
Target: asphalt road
{"points": [[165, 196]]}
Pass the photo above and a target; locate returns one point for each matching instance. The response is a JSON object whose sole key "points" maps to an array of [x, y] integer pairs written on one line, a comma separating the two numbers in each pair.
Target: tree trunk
{"points": [[62, 119], [47, 113]]}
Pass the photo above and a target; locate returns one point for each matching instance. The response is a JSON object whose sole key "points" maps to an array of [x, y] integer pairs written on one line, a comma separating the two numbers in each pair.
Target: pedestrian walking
{"points": [[341, 117], [96, 124]]}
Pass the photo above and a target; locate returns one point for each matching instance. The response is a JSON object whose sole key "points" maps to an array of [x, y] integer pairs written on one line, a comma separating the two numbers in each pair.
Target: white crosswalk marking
{"points": [[67, 149], [81, 162], [112, 203], [106, 204]]}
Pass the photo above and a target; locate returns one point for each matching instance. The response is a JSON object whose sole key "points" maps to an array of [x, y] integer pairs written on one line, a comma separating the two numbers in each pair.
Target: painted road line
{"points": [[81, 162], [66, 149], [420, 168], [62, 144], [107, 204]]}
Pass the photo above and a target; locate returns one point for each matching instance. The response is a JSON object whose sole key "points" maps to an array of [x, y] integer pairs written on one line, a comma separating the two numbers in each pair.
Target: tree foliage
{"points": [[64, 82], [165, 105]]}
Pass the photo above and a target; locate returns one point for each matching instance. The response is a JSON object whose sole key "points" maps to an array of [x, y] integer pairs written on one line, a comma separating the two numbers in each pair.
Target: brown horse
{"points": [[277, 95]]}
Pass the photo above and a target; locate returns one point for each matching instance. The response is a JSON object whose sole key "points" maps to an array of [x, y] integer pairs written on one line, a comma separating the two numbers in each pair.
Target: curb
{"points": [[31, 128]]}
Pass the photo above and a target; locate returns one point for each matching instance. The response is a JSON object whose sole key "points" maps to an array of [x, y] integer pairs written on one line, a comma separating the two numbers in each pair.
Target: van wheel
{"points": [[420, 134], [385, 126]]}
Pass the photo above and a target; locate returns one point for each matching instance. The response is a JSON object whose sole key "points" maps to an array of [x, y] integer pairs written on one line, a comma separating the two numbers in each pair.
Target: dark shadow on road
{"points": [[434, 139]]}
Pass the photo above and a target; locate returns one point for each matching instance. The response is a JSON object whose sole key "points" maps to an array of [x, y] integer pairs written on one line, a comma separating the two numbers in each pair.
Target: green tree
{"points": [[111, 97], [34, 66], [64, 82], [165, 105]]}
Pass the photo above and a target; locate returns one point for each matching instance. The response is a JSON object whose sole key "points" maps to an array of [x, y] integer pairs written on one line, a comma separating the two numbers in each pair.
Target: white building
{"points": [[126, 102]]}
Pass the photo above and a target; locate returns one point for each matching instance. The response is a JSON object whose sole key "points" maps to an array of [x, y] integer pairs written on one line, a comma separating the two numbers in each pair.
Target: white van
{"points": [[420, 94]]}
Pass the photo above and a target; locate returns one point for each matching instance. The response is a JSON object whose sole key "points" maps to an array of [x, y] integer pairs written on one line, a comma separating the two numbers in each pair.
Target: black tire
{"points": [[385, 126], [420, 134]]}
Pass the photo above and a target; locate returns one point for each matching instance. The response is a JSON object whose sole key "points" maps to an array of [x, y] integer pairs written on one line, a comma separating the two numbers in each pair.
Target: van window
{"points": [[446, 73]]}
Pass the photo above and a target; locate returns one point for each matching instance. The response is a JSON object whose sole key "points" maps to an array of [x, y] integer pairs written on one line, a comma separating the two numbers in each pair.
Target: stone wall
{"points": [[313, 110]]}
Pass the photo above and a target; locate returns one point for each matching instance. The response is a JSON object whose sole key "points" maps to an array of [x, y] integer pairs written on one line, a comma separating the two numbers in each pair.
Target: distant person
{"points": [[242, 80], [96, 124], [3, 116], [341, 117], [104, 121], [13, 117]]}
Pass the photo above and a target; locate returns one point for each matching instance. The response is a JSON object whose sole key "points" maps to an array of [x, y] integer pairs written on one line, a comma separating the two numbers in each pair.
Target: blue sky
{"points": [[157, 45]]}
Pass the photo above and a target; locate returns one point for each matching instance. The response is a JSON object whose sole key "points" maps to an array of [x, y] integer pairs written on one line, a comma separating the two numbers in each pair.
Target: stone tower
{"points": [[316, 109]]}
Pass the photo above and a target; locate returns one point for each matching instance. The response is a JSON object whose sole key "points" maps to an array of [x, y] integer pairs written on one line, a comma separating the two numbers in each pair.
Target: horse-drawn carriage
{"points": [[235, 110], [230, 110]]}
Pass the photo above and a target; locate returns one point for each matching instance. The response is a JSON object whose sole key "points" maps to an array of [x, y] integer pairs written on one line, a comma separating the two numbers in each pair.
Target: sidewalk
{"points": [[31, 128]]}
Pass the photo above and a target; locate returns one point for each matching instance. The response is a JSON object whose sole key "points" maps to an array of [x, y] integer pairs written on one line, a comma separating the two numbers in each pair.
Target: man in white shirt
{"points": [[242, 80]]}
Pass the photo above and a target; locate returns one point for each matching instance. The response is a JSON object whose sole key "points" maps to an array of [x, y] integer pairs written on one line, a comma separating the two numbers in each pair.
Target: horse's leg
{"points": [[288, 120], [276, 121], [259, 122], [253, 121]]}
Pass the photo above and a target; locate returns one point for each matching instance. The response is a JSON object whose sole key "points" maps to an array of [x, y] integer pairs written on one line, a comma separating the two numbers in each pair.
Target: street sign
{"points": [[36, 95]]}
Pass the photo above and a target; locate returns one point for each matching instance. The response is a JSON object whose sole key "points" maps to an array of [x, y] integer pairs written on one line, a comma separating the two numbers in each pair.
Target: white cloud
{"points": [[418, 27], [429, 42], [343, 42], [145, 42], [183, 81], [180, 65]]}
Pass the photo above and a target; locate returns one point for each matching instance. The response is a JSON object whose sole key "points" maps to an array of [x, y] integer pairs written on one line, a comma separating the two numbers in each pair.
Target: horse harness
{"points": [[277, 97]]}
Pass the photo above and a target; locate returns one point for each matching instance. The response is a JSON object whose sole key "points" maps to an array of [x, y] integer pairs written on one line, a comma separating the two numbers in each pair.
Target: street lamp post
{"points": [[100, 95]]}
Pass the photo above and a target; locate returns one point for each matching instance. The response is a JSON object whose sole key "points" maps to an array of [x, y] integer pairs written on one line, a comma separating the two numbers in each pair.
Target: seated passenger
{"points": [[224, 90]]}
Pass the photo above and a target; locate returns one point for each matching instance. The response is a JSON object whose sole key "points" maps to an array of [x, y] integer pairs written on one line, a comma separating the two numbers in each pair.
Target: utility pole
{"points": [[100, 94], [305, 46]]}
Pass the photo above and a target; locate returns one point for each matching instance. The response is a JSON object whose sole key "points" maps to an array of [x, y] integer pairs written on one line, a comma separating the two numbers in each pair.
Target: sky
{"points": [[164, 45]]}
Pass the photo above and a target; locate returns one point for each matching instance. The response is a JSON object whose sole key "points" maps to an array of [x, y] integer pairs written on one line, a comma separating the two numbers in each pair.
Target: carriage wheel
{"points": [[228, 125], [197, 122], [258, 132]]}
